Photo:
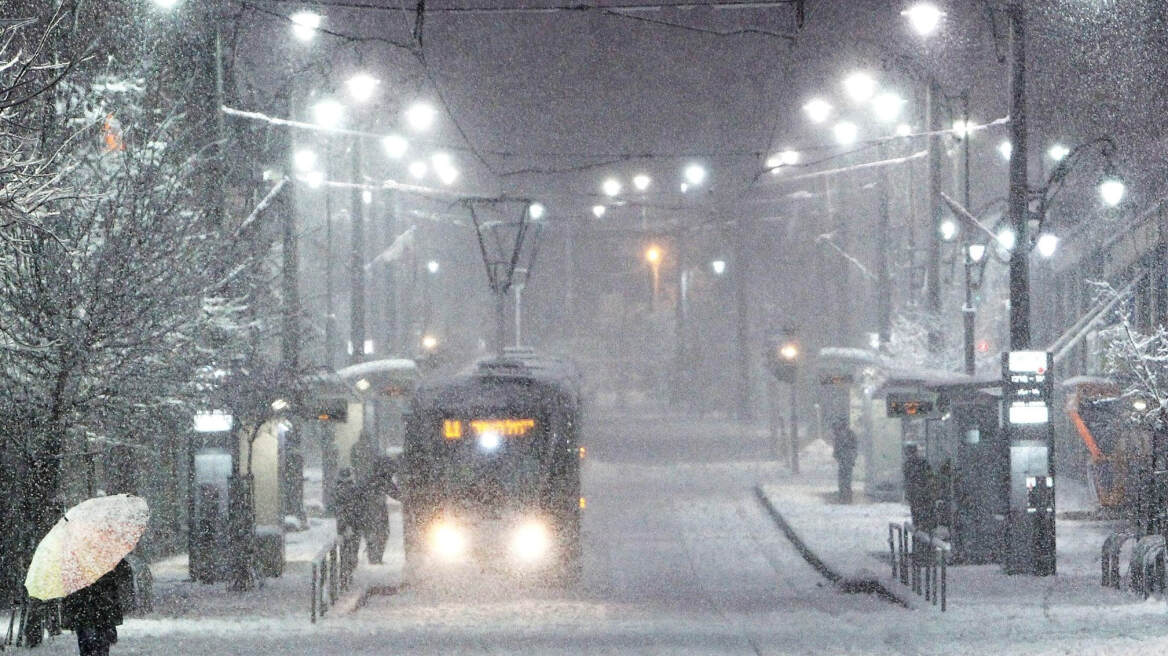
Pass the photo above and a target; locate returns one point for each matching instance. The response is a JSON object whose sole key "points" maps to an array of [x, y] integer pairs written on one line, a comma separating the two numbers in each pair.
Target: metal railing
{"points": [[332, 572], [920, 561]]}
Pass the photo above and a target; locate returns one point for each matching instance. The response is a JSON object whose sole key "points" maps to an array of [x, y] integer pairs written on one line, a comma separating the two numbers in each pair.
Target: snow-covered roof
{"points": [[1076, 381], [377, 366], [901, 373]]}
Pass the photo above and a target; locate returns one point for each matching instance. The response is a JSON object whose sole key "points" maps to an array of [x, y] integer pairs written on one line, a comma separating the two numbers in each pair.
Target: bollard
{"points": [[943, 581], [312, 602]]}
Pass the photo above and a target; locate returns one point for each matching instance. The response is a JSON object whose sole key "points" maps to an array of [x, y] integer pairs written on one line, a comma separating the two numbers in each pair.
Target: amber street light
{"points": [[653, 257]]}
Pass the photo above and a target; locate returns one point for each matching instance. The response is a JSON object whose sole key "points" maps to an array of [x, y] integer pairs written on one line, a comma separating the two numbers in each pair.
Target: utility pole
{"points": [[933, 264], [390, 335], [883, 278], [680, 321], [293, 470], [968, 312], [357, 260], [1019, 255], [741, 267]]}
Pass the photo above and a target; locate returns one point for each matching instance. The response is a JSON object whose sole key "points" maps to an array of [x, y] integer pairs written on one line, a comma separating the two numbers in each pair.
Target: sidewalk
{"points": [[852, 543], [283, 601]]}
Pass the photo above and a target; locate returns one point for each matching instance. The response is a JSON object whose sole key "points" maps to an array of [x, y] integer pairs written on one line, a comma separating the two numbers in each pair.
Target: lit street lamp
{"points": [[641, 181], [718, 266], [328, 113], [1046, 244], [304, 160], [818, 110], [845, 133], [948, 230], [598, 211], [695, 174], [924, 17], [304, 23], [362, 86], [420, 116], [860, 87], [1112, 191], [653, 256], [1058, 152], [611, 187], [395, 145], [887, 106]]}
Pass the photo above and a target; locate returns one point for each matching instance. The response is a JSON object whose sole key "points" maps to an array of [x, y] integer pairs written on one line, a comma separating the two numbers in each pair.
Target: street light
{"points": [[1006, 149], [718, 266], [362, 86], [1007, 238], [315, 179], [976, 252], [536, 211], [611, 187], [1058, 152], [887, 106], [395, 145], [789, 351], [653, 257], [304, 23], [695, 174], [444, 167], [166, 4], [304, 160], [948, 229], [418, 169], [924, 17], [818, 110], [1047, 244], [641, 181], [845, 133], [903, 130], [432, 266], [1112, 190], [598, 211], [420, 116], [327, 113], [860, 86]]}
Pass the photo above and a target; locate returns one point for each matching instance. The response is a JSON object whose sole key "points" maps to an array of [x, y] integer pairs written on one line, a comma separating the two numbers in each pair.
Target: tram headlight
{"points": [[531, 541], [447, 540], [490, 441]]}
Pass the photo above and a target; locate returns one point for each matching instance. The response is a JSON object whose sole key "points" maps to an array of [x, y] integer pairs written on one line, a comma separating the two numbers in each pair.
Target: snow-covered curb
{"points": [[859, 580]]}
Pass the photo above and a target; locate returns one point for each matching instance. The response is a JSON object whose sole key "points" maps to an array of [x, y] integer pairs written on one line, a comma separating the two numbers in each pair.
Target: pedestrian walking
{"points": [[844, 450], [94, 612], [381, 483]]}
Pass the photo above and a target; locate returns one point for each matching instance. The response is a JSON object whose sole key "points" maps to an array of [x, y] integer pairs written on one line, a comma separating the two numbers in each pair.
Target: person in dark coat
{"points": [[349, 513], [95, 612], [844, 451], [380, 484], [917, 488]]}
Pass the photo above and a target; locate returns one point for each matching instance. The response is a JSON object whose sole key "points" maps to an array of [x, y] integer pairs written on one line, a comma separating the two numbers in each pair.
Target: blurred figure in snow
{"points": [[844, 452]]}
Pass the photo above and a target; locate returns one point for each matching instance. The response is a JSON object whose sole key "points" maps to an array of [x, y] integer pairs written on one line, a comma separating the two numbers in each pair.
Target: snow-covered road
{"points": [[679, 558]]}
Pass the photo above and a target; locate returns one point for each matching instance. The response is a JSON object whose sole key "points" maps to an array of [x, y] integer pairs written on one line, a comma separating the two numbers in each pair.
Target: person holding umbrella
{"points": [[82, 560], [95, 611]]}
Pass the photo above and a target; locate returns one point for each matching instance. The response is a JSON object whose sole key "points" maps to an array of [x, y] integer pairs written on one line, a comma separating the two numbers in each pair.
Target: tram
{"points": [[491, 467]]}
